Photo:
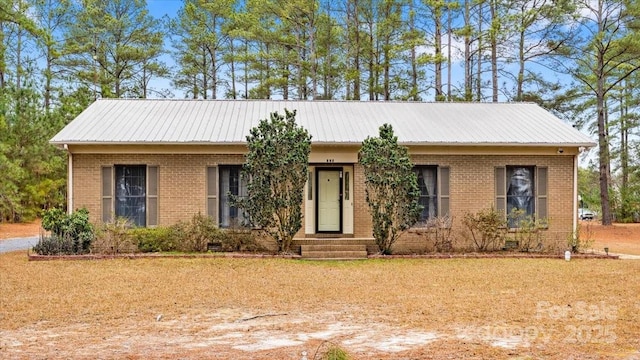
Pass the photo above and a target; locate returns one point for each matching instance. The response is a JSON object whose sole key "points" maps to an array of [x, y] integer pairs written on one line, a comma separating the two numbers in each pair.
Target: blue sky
{"points": [[159, 8]]}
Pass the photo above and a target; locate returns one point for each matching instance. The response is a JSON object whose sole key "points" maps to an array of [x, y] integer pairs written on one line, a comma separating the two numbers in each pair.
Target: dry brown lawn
{"points": [[277, 308]]}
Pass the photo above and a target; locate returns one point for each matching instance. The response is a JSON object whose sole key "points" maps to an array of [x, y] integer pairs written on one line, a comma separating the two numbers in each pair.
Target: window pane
{"points": [[231, 183], [428, 185], [131, 193], [520, 194], [310, 186], [346, 186]]}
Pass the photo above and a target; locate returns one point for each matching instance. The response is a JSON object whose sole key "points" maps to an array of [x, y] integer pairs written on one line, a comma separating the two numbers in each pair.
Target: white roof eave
{"points": [[63, 143]]}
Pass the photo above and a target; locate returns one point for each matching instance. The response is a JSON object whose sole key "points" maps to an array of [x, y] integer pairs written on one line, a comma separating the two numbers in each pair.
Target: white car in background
{"points": [[586, 214]]}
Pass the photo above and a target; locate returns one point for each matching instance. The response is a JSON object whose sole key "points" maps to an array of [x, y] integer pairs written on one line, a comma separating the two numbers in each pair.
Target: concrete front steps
{"points": [[333, 252]]}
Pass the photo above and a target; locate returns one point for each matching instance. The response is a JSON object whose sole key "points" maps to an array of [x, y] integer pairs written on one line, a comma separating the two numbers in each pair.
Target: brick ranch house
{"points": [[161, 161]]}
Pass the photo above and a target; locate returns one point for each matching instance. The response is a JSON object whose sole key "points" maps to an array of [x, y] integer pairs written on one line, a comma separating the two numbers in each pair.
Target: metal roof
{"points": [[126, 121]]}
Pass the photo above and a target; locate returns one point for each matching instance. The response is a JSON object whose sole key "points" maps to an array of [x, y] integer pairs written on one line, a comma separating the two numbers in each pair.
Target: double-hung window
{"points": [[428, 185], [130, 192], [521, 193], [223, 182], [433, 183]]}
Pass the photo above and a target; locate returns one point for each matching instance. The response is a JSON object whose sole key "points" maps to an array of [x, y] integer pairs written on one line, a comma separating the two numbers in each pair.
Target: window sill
{"points": [[426, 229], [515, 230]]}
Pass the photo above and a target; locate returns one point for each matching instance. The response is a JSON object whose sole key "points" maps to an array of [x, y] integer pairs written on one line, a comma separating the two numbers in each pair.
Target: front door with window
{"points": [[329, 202]]}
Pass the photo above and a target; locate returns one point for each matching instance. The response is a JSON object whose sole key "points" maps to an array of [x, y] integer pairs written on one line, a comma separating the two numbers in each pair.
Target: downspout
{"points": [[69, 181], [575, 196]]}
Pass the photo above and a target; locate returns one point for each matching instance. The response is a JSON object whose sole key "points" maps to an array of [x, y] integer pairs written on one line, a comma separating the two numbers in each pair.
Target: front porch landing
{"points": [[334, 248]]}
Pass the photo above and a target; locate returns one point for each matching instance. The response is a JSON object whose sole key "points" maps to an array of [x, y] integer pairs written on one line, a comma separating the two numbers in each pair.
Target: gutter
{"points": [[575, 196], [69, 181], [330, 143]]}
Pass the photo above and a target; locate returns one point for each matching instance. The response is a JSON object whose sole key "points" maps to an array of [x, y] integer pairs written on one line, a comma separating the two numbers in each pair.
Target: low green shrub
{"points": [[336, 353], [70, 233], [330, 351], [194, 235], [54, 245], [160, 239]]}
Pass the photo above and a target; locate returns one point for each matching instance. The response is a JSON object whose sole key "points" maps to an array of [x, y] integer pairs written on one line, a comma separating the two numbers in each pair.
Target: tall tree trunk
{"points": [[313, 57], [438, 51], [144, 81], [479, 55], [413, 93], [48, 74], [449, 53], [604, 156], [372, 75], [3, 49], [214, 66], [246, 69], [205, 74], [356, 64], [520, 80], [314, 76], [494, 48], [386, 74], [386, 50], [327, 63], [19, 62], [214, 75], [232, 68], [467, 52], [603, 138], [285, 76], [624, 149], [194, 86]]}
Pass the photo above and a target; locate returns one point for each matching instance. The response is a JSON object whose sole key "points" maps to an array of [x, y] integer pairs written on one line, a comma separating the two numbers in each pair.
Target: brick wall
{"points": [[472, 188], [182, 187]]}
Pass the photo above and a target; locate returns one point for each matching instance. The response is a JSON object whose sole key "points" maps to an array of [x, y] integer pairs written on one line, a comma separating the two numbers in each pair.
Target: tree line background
{"points": [[576, 58]]}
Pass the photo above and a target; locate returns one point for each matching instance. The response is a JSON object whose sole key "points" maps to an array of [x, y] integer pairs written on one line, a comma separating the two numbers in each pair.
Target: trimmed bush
{"points": [[197, 234], [114, 238], [54, 245], [527, 232], [238, 239], [70, 233], [487, 228], [437, 233], [160, 239]]}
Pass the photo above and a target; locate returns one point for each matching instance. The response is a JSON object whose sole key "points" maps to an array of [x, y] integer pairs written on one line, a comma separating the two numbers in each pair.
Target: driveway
{"points": [[16, 244]]}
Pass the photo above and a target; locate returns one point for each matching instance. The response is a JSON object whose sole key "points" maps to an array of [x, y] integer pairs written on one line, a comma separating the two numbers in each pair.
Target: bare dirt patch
{"points": [[619, 238], [11, 230], [277, 308]]}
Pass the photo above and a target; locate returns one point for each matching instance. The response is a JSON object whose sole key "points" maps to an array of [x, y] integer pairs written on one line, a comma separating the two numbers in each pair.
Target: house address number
{"points": [[330, 161]]}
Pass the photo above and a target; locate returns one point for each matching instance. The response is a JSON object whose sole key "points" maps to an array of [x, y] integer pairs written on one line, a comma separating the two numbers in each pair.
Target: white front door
{"points": [[329, 200]]}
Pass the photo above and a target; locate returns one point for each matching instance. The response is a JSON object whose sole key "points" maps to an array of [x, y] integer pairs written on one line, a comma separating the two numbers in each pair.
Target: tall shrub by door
{"points": [[391, 187], [276, 172]]}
